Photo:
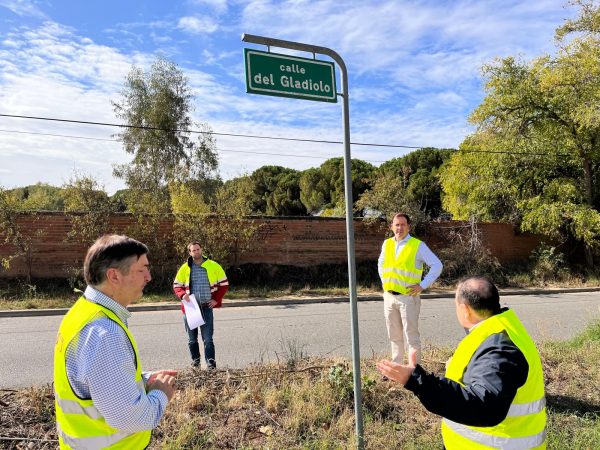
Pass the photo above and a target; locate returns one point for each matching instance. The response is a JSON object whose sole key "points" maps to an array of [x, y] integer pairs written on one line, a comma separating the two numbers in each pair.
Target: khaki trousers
{"points": [[402, 321]]}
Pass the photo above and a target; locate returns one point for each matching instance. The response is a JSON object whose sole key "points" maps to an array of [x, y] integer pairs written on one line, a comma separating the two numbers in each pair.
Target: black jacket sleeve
{"points": [[496, 370]]}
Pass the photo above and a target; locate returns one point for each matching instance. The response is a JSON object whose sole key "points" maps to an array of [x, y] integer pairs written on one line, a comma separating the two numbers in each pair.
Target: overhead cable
{"points": [[175, 130]]}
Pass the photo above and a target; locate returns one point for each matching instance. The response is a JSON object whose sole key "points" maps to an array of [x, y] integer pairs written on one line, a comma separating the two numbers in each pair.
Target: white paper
{"points": [[193, 315]]}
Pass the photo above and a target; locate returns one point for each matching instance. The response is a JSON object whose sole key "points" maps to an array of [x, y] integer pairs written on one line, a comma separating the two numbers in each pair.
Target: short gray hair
{"points": [[110, 251]]}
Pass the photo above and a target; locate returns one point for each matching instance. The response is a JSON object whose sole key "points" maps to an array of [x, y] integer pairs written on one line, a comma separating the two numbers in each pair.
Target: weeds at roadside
{"points": [[310, 406]]}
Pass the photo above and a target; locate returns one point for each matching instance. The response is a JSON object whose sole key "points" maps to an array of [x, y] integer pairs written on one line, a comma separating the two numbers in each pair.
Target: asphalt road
{"points": [[254, 334]]}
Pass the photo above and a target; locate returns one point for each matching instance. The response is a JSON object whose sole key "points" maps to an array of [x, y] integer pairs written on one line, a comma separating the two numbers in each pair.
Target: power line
{"points": [[287, 155], [279, 154], [84, 122], [252, 136], [58, 135]]}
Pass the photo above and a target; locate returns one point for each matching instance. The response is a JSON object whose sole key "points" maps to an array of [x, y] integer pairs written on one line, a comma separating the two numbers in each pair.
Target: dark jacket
{"points": [[497, 369]]}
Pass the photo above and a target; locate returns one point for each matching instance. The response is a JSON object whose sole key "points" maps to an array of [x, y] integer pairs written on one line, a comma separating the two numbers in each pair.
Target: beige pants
{"points": [[402, 320]]}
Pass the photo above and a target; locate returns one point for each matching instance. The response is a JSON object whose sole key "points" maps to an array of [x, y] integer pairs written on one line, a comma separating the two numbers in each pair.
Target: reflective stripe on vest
{"points": [[399, 272], [79, 423], [505, 443], [75, 407], [524, 409], [525, 424], [92, 442]]}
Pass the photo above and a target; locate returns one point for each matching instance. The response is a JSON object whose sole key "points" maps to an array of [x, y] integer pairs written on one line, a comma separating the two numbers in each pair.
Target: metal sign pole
{"points": [[270, 42]]}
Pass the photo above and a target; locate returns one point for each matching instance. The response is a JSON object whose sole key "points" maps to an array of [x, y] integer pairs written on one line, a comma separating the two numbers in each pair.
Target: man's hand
{"points": [[414, 290], [186, 298], [212, 303], [163, 380], [399, 372]]}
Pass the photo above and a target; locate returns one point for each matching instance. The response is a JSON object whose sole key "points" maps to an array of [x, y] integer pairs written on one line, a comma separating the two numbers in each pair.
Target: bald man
{"points": [[492, 395]]}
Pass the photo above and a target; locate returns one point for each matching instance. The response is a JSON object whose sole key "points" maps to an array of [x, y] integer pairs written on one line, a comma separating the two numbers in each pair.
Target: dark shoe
{"points": [[196, 363], [384, 378], [211, 364]]}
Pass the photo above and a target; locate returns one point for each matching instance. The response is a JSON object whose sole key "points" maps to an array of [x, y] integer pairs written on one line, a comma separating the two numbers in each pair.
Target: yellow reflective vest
{"points": [[400, 272], [79, 423], [214, 271], [525, 424]]}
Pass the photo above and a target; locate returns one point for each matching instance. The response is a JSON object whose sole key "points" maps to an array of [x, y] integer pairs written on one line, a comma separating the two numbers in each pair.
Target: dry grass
{"points": [[307, 404]]}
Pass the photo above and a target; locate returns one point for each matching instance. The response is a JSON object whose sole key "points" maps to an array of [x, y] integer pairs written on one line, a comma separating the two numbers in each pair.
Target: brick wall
{"points": [[290, 241]]}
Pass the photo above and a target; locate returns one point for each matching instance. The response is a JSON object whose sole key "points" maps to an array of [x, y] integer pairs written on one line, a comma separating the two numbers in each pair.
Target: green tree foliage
{"points": [[220, 223], [39, 197], [11, 233], [538, 138], [90, 206], [313, 189], [119, 200], [323, 189], [388, 196], [157, 105], [276, 191], [418, 173]]}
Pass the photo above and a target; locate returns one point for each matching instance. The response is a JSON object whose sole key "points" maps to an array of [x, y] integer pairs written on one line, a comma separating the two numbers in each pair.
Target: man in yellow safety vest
{"points": [[102, 397], [400, 268], [492, 395], [205, 279]]}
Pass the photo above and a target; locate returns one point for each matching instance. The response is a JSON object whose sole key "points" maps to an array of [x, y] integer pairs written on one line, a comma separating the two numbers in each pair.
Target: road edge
{"points": [[290, 301]]}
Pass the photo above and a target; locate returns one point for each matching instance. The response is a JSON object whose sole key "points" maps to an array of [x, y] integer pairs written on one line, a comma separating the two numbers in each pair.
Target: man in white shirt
{"points": [[400, 268]]}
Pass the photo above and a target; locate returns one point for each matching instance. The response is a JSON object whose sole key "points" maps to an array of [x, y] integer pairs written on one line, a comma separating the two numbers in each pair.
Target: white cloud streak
{"points": [[197, 24], [25, 8]]}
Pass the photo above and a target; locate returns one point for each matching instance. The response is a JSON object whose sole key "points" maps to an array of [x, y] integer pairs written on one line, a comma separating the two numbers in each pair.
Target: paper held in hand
{"points": [[193, 315]]}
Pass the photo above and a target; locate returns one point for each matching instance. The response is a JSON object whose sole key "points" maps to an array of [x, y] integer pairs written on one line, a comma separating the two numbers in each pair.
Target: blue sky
{"points": [[414, 75]]}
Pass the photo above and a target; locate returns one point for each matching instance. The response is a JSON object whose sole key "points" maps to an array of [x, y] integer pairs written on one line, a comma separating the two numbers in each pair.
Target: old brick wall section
{"points": [[290, 241]]}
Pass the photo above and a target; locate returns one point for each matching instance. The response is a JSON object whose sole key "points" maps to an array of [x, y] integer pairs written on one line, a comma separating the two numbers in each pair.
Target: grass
{"points": [[305, 403], [67, 297]]}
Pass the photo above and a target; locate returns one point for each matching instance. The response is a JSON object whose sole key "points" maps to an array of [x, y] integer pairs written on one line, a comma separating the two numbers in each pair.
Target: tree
{"points": [[221, 223], [313, 189], [90, 206], [276, 191], [548, 107], [157, 107], [418, 171], [326, 185], [285, 199], [40, 197], [12, 233], [388, 196]]}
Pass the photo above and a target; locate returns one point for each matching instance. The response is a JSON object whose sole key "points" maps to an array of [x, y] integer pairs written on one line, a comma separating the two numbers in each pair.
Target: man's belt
{"points": [[394, 293]]}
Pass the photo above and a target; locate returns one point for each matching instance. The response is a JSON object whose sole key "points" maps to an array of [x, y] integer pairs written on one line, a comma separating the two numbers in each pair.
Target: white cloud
{"points": [[51, 72], [384, 36], [197, 24], [23, 8], [219, 6]]}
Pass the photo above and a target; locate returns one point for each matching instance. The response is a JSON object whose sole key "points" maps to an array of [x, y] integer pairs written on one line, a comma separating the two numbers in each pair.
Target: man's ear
{"points": [[464, 310], [472, 315], [113, 275]]}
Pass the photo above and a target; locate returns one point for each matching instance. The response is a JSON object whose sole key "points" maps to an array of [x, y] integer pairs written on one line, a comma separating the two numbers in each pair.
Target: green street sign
{"points": [[289, 76]]}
